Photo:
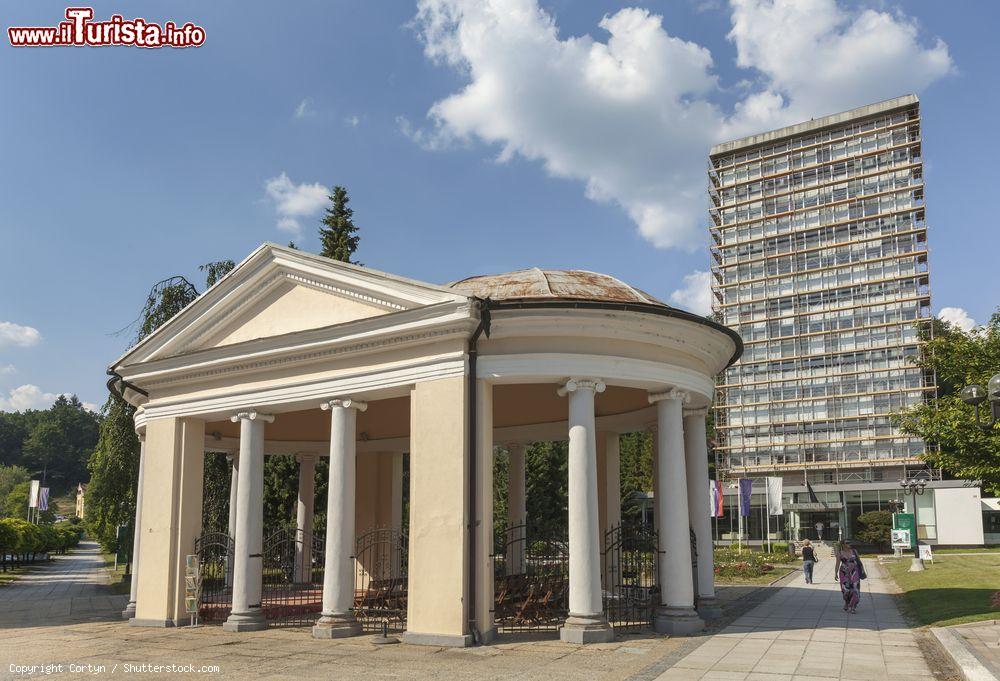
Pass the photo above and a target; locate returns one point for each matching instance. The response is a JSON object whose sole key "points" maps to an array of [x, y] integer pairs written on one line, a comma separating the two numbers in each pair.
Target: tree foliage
{"points": [[957, 444], [339, 235], [114, 465], [54, 442], [875, 527]]}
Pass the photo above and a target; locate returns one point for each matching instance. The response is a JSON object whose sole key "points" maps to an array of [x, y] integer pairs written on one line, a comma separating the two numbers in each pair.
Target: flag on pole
{"points": [[33, 494], [774, 487], [43, 499], [715, 497], [746, 490]]}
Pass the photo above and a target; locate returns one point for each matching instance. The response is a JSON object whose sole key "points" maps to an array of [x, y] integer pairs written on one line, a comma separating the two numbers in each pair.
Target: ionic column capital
{"points": [[672, 394], [344, 403], [252, 415], [702, 412], [574, 384], [306, 457]]}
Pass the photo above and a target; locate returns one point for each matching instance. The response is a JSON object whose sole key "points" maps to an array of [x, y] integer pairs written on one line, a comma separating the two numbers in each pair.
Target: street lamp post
{"points": [[974, 395], [914, 488]]}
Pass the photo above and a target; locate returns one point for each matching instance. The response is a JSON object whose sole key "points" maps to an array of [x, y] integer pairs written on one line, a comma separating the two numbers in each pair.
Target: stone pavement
{"points": [[801, 633], [982, 640], [70, 588]]}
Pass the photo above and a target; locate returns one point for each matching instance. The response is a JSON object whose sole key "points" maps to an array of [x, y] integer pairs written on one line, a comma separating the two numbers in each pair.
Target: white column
{"points": [[396, 503], [249, 537], [676, 615], [233, 486], [517, 510], [696, 458], [129, 611], [657, 492], [337, 619], [586, 622], [304, 518]]}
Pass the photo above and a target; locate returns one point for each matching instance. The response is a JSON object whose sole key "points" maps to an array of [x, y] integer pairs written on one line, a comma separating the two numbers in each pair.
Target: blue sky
{"points": [[473, 138]]}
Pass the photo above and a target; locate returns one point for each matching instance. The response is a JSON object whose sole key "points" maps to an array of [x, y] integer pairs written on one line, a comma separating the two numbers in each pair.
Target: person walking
{"points": [[808, 560], [850, 571], [819, 531]]}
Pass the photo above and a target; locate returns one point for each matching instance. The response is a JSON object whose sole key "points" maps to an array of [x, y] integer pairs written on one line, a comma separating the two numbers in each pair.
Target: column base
{"points": [[677, 621], [129, 611], [336, 626], [488, 636], [245, 621], [708, 608], [586, 629]]}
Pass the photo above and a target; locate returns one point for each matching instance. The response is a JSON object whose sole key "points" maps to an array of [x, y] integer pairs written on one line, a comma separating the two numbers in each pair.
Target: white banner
{"points": [[774, 486], [33, 494]]}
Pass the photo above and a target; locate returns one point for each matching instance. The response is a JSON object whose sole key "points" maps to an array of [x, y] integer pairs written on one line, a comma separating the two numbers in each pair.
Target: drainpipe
{"points": [[117, 379], [484, 306]]}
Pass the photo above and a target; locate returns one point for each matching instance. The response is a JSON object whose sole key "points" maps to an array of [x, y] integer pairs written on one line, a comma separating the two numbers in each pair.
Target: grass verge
{"points": [[119, 583], [951, 590]]}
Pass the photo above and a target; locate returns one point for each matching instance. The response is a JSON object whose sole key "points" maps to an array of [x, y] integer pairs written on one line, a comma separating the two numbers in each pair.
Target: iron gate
{"points": [[531, 581], [380, 579], [292, 579], [630, 564], [215, 552]]}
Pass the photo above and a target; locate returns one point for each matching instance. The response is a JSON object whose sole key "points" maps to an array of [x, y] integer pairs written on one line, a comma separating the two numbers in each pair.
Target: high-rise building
{"points": [[819, 247]]}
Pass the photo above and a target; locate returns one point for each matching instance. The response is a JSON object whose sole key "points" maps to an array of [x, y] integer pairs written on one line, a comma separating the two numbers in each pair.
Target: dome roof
{"points": [[536, 284]]}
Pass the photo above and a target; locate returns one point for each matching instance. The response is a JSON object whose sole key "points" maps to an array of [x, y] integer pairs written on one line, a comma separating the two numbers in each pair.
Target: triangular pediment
{"points": [[278, 291]]}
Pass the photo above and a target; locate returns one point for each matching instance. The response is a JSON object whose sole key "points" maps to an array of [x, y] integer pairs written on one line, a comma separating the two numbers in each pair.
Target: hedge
{"points": [[23, 542]]}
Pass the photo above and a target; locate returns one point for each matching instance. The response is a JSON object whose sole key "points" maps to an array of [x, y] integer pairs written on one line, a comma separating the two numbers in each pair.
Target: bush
{"points": [[875, 527]]}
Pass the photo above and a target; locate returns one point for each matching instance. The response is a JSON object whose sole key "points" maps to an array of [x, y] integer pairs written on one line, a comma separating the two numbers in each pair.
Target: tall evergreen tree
{"points": [[339, 235]]}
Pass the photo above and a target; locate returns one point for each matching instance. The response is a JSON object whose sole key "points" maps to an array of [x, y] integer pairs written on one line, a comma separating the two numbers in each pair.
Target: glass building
{"points": [[819, 248]]}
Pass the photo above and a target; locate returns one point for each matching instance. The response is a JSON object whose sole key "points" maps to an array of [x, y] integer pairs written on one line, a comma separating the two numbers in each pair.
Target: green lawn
{"points": [[120, 584], [951, 590], [988, 549]]}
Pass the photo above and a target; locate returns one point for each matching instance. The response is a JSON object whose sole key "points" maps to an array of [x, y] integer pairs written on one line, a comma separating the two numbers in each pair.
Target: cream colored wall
{"points": [[484, 596], [171, 516], [329, 367], [680, 355], [438, 509], [290, 308]]}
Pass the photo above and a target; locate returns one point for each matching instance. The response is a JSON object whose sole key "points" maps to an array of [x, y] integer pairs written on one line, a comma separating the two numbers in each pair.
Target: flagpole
{"points": [[767, 507]]}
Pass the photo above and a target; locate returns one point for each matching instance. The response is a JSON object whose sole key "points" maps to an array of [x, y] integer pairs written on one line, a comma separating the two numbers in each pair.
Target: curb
{"points": [[965, 659]]}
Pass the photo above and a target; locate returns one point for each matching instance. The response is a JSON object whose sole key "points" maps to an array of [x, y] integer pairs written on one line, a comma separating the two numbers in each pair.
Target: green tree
{"points": [[875, 527], [114, 465], [546, 481], [216, 270], [10, 477], [114, 470], [338, 235], [15, 504], [957, 444]]}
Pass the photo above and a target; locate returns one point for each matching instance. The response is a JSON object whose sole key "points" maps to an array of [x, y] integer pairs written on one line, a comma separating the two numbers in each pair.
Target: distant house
{"points": [[81, 491]]}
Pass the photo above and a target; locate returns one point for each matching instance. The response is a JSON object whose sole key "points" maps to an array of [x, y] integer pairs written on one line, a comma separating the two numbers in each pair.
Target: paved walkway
{"points": [[982, 639], [802, 633], [70, 588]]}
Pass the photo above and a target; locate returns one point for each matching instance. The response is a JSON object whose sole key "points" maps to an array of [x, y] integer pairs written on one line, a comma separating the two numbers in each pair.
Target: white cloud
{"points": [[293, 201], [817, 58], [27, 397], [7, 370], [352, 121], [305, 109], [695, 293], [633, 117], [15, 334], [958, 317]]}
